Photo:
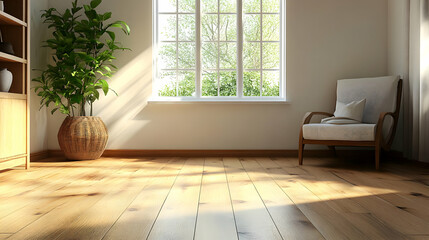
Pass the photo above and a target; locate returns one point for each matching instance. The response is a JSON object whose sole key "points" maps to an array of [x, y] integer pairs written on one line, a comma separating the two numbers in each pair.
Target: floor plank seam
{"points": [[230, 198], [262, 200], [135, 197], [199, 198], [165, 199], [297, 205]]}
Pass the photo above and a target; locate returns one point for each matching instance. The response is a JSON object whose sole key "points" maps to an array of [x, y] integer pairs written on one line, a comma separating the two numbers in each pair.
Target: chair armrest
{"points": [[379, 130], [309, 115]]}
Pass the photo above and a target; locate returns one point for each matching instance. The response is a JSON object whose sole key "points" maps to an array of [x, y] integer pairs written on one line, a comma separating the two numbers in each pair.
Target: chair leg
{"points": [[301, 147], [377, 157], [301, 151], [332, 148]]}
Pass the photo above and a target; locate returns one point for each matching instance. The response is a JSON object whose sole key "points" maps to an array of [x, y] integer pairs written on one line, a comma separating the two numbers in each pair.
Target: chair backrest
{"points": [[380, 94]]}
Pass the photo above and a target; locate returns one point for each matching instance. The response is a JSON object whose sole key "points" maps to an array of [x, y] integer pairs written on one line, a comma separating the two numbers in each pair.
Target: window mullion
{"points": [[261, 50], [218, 47], [177, 48], [198, 73], [282, 49], [240, 48]]}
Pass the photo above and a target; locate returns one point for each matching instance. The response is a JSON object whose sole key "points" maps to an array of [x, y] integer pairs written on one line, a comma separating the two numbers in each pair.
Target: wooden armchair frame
{"points": [[378, 143]]}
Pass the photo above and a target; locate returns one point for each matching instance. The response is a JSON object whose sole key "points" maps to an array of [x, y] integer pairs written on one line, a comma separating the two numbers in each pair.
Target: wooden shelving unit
{"points": [[14, 105]]}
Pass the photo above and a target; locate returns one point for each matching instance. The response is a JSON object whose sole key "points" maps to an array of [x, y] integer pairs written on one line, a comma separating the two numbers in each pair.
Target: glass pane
{"points": [[270, 83], [186, 84], [166, 5], [167, 84], [271, 6], [252, 55], [228, 27], [187, 27], [209, 25], [271, 55], [167, 56], [271, 27], [252, 27], [209, 6], [209, 55], [228, 56], [186, 55], [251, 84], [209, 86], [187, 6], [167, 27], [228, 6], [251, 6], [228, 84]]}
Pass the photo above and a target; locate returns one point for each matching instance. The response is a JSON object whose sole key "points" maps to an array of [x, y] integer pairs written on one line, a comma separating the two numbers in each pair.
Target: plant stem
{"points": [[82, 109]]}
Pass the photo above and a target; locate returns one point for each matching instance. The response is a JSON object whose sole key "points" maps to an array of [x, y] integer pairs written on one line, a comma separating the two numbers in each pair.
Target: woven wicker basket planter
{"points": [[83, 138]]}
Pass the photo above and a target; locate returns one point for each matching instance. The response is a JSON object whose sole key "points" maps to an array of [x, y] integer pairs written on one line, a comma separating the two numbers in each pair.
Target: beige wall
{"points": [[38, 133], [326, 40]]}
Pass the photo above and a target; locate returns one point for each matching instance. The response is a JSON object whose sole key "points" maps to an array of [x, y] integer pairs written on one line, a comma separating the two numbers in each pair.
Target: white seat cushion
{"points": [[347, 132]]}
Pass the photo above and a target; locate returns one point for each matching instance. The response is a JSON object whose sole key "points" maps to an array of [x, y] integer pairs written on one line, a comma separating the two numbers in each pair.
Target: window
{"points": [[219, 49]]}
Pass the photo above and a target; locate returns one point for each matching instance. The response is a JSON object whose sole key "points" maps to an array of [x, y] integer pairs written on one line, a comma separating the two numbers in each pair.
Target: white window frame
{"points": [[240, 70]]}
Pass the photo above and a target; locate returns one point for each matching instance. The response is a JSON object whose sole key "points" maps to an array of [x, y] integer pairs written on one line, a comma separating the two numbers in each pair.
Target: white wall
{"points": [[326, 41], [38, 122], [413, 104], [398, 61], [424, 82]]}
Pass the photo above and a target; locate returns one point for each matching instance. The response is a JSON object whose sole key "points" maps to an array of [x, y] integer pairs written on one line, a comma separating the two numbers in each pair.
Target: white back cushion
{"points": [[379, 92], [352, 110]]}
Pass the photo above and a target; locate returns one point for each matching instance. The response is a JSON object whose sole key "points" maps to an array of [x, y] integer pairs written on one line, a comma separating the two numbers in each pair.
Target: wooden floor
{"points": [[214, 198]]}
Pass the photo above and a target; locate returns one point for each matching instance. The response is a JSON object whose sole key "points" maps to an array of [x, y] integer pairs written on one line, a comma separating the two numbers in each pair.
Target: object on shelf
{"points": [[1, 6], [6, 47], [6, 78]]}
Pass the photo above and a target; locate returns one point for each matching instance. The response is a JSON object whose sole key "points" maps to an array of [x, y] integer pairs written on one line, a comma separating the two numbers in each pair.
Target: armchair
{"points": [[380, 117]]}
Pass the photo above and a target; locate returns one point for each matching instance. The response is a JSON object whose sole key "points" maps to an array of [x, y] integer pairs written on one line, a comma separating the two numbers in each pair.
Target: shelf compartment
{"points": [[4, 57], [13, 124], [7, 19], [16, 35], [17, 10], [19, 74]]}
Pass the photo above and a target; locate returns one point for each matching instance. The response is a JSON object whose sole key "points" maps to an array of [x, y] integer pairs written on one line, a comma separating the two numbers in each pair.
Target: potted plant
{"points": [[83, 46]]}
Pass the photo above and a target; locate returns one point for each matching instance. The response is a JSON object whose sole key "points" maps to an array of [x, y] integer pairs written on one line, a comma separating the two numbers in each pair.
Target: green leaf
{"points": [[112, 35], [105, 86], [107, 16], [87, 8], [95, 3], [76, 99], [122, 25], [54, 110], [107, 69]]}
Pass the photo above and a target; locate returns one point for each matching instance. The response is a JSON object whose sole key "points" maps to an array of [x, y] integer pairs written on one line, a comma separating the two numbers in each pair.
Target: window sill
{"points": [[208, 100]]}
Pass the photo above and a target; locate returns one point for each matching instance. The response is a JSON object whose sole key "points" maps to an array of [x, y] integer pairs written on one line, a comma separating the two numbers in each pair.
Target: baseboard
{"points": [[130, 153], [37, 156]]}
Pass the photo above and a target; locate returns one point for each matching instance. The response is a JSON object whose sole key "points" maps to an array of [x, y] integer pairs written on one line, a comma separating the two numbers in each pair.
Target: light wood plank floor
{"points": [[214, 198]]}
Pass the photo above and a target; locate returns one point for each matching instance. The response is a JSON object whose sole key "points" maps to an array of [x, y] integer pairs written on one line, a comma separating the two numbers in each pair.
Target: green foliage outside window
{"points": [[261, 52]]}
